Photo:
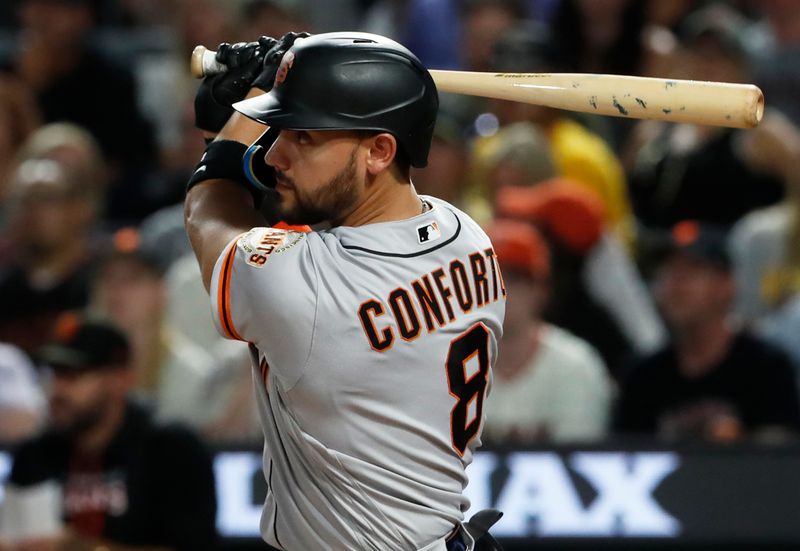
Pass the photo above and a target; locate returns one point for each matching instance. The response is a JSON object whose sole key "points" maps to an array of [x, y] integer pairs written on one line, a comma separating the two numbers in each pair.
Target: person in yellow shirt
{"points": [[576, 152]]}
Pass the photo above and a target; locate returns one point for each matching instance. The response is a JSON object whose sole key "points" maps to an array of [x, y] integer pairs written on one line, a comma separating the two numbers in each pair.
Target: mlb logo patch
{"points": [[428, 232]]}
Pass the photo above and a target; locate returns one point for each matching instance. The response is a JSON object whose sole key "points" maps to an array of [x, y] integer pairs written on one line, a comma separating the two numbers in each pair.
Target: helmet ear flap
{"points": [[256, 169]]}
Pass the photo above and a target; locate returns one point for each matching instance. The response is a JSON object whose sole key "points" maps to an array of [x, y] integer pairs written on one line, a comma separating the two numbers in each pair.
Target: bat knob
{"points": [[196, 66]]}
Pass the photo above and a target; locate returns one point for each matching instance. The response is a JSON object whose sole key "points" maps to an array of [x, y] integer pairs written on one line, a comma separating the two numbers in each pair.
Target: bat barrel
{"points": [[698, 102]]}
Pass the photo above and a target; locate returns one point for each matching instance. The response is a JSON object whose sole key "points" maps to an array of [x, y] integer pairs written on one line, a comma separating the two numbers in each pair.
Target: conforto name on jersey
{"points": [[463, 285]]}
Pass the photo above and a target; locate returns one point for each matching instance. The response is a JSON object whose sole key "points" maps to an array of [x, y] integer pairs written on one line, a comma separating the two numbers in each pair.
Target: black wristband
{"points": [[223, 160]]}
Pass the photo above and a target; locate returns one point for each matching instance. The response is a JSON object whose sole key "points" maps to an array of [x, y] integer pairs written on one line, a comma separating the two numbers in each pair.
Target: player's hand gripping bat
{"points": [[691, 101]]}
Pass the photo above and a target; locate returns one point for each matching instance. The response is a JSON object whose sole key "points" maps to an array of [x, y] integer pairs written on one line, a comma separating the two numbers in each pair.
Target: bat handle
{"points": [[204, 63]]}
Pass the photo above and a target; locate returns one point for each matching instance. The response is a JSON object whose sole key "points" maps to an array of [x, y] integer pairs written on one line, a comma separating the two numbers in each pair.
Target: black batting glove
{"points": [[272, 60], [245, 61]]}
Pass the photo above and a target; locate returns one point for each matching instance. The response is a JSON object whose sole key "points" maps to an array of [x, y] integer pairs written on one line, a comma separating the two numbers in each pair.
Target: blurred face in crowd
{"points": [[692, 292], [526, 298], [507, 173], [708, 60], [46, 211], [79, 400], [129, 293], [321, 175], [482, 27]]}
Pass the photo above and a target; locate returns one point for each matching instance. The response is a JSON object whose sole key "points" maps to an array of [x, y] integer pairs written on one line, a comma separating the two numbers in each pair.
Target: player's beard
{"points": [[330, 202]]}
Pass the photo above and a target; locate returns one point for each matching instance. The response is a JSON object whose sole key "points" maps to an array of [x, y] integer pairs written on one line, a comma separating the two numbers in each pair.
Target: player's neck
{"points": [[386, 199]]}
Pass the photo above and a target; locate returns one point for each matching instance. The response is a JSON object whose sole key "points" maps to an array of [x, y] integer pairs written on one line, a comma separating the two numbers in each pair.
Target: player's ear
{"points": [[382, 150]]}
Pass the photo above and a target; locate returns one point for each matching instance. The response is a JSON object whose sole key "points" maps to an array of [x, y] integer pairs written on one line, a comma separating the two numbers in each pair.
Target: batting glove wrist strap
{"points": [[223, 160]]}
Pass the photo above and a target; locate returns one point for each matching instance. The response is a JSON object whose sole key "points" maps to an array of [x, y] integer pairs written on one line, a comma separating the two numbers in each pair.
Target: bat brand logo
{"points": [[283, 70]]}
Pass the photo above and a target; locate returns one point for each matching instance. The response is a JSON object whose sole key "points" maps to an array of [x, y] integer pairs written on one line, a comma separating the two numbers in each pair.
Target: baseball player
{"points": [[372, 339]]}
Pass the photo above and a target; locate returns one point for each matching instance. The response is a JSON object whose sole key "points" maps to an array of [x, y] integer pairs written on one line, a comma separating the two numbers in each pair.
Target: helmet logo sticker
{"points": [[283, 70]]}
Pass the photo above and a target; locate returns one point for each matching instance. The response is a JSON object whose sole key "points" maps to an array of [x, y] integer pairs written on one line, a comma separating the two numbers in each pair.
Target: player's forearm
{"points": [[216, 211]]}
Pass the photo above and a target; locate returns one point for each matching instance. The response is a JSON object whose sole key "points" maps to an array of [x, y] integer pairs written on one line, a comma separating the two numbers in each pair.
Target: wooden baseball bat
{"points": [[690, 101]]}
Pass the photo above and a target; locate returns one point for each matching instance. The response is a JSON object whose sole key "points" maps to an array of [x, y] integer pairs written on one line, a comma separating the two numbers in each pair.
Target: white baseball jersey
{"points": [[373, 348]]}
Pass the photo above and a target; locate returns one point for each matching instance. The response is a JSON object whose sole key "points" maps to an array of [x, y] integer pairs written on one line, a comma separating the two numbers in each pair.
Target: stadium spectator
{"points": [[578, 154], [713, 381], [682, 171], [763, 243], [548, 384], [232, 382], [51, 217], [120, 479], [600, 37], [518, 155], [170, 372], [598, 293], [75, 149], [72, 80], [777, 65]]}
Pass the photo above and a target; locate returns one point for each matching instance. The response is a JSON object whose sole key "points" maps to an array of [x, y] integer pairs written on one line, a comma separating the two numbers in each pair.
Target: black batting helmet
{"points": [[351, 80]]}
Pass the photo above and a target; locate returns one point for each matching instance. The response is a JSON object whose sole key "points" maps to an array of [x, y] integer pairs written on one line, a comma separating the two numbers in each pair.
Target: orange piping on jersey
{"points": [[224, 294]]}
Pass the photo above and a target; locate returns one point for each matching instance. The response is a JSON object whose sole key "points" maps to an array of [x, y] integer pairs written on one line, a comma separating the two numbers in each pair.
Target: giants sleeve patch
{"points": [[259, 243]]}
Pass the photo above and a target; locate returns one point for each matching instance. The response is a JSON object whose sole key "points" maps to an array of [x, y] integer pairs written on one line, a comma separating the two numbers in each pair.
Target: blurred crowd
{"points": [[652, 268]]}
